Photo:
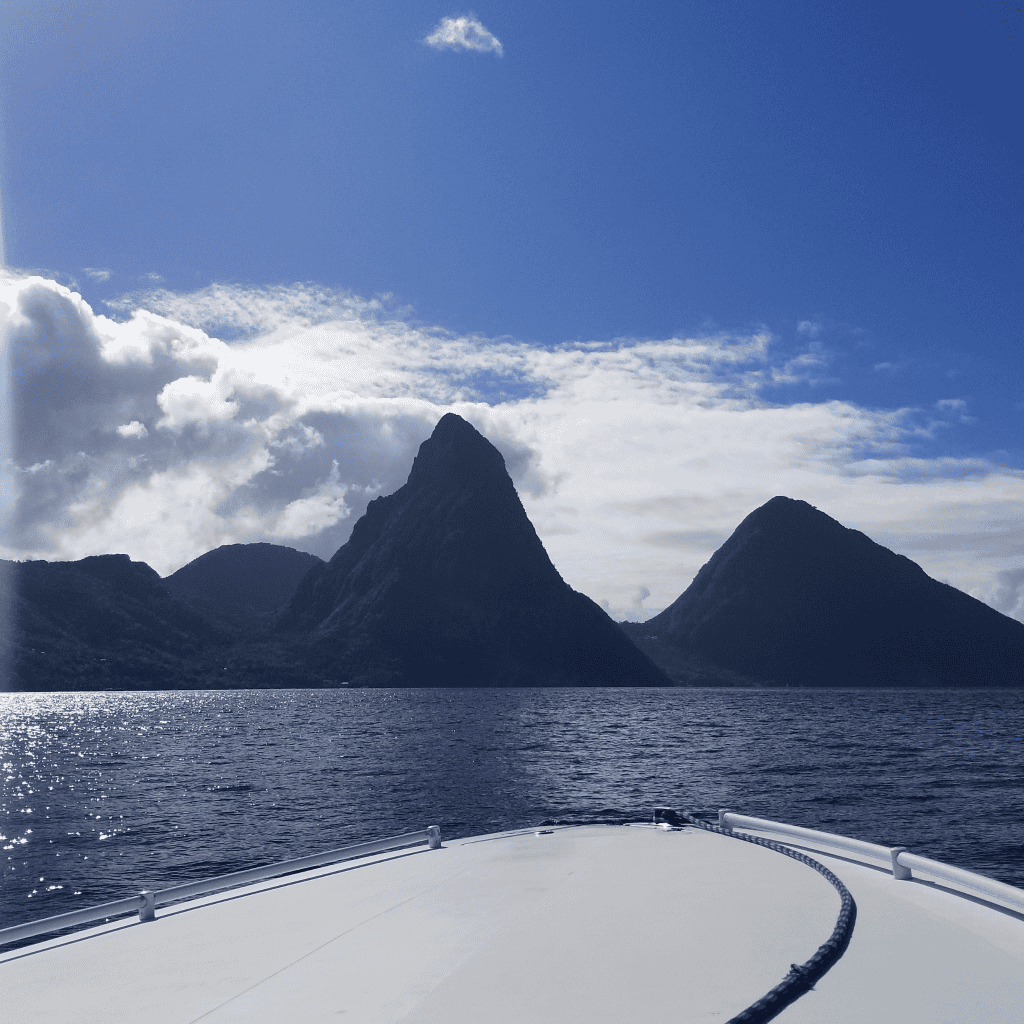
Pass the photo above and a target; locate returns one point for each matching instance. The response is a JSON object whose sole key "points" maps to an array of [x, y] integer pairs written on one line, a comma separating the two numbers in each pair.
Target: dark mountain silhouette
{"points": [[446, 583], [795, 598], [241, 586], [101, 622]]}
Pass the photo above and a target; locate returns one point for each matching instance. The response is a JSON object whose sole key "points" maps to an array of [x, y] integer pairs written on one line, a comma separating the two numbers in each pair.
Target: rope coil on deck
{"points": [[801, 977]]}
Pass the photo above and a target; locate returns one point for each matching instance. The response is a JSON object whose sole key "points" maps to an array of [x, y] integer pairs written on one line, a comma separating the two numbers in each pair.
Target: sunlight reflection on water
{"points": [[107, 793]]}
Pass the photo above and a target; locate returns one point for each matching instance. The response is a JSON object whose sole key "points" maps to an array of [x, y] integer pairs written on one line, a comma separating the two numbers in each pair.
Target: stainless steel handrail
{"points": [[239, 878], [69, 920], [900, 860], [147, 901], [981, 884], [730, 820]]}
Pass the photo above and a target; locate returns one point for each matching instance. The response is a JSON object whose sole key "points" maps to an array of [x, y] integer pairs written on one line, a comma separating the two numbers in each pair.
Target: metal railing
{"points": [[147, 901], [990, 888], [729, 820], [898, 859]]}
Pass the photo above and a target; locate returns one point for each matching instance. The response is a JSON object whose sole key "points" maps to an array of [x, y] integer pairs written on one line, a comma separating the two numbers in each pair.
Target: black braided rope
{"points": [[801, 977]]}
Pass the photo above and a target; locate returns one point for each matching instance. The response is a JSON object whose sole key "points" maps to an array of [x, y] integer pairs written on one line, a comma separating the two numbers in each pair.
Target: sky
{"points": [[673, 259]]}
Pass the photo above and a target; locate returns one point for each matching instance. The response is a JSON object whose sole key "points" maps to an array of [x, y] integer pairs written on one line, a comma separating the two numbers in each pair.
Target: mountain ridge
{"points": [[446, 582], [793, 597], [101, 622], [241, 586]]}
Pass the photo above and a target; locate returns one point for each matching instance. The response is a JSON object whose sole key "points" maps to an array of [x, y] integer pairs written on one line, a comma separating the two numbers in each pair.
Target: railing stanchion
{"points": [[900, 872], [722, 823], [434, 832], [147, 905]]}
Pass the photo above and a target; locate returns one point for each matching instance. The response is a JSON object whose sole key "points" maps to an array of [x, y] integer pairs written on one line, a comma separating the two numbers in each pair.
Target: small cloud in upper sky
{"points": [[808, 327], [96, 274], [133, 429], [153, 276], [956, 405], [463, 33]]}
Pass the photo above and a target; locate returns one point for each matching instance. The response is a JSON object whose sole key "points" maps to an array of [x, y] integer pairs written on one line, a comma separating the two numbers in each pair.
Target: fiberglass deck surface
{"points": [[589, 924]]}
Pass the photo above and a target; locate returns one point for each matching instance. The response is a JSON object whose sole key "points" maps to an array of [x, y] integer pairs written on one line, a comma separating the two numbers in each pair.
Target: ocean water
{"points": [[108, 793]]}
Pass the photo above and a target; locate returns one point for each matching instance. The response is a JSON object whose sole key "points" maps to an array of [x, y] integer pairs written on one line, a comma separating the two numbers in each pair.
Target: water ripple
{"points": [[107, 793]]}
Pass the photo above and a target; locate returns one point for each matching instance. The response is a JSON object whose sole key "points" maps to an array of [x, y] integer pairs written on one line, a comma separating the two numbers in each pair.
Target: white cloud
{"points": [[309, 515], [133, 429], [636, 611], [248, 311], [634, 459], [96, 274], [167, 517], [463, 33], [954, 405], [1009, 597], [192, 401]]}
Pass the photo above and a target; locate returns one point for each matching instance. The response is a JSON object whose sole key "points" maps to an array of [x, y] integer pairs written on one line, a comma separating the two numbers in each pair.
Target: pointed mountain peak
{"points": [[789, 513], [455, 452], [781, 505], [452, 428], [793, 596], [446, 583]]}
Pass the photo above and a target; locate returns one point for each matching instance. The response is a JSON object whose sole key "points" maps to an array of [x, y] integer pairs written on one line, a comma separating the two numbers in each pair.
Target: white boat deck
{"points": [[587, 924]]}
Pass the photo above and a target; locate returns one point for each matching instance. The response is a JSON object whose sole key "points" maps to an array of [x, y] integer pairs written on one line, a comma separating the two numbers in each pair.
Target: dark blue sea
{"points": [[108, 793]]}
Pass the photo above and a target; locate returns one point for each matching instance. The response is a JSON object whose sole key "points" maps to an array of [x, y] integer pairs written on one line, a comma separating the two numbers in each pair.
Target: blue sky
{"points": [[821, 201]]}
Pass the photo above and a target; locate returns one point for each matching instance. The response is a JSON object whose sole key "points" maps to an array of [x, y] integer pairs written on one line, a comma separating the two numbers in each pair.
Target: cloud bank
{"points": [[234, 415], [463, 33]]}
